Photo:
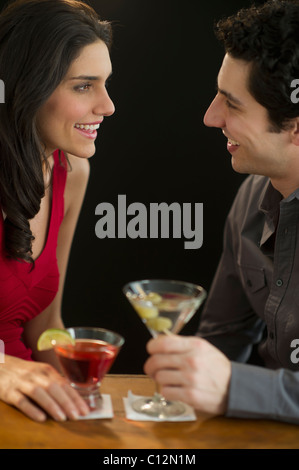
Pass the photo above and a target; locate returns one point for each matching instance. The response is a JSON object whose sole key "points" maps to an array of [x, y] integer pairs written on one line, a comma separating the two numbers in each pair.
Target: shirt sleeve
{"points": [[259, 393]]}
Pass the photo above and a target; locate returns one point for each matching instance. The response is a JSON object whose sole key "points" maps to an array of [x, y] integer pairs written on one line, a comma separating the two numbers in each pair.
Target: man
{"points": [[255, 294]]}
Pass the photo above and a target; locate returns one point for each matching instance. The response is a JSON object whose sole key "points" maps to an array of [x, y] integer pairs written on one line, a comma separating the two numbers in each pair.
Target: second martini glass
{"points": [[164, 306], [86, 362]]}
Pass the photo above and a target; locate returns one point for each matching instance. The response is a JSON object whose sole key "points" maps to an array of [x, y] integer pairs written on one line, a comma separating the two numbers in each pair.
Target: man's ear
{"points": [[295, 131]]}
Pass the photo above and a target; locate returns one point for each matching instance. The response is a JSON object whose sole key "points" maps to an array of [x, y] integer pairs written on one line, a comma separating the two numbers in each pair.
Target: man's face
{"points": [[252, 145]]}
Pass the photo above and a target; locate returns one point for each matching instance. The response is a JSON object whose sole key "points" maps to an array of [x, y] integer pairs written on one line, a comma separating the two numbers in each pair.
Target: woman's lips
{"points": [[88, 134], [88, 130]]}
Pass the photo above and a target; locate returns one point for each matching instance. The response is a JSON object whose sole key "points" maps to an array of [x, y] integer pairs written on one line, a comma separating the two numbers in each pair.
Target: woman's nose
{"points": [[105, 105]]}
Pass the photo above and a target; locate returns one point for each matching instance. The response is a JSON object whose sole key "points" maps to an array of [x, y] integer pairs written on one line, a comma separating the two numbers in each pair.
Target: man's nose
{"points": [[214, 116]]}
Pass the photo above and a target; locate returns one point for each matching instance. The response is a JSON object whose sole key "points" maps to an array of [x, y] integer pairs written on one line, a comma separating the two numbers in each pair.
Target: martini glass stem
{"points": [[158, 397]]}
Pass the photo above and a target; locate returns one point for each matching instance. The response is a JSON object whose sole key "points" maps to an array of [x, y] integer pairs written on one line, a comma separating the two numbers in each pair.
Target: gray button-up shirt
{"points": [[254, 298]]}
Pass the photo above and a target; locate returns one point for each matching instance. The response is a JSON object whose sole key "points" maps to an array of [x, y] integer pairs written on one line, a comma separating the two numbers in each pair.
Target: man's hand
{"points": [[191, 370], [37, 389]]}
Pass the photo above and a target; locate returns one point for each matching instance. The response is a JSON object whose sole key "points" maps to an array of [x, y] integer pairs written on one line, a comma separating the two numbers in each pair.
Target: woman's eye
{"points": [[82, 87]]}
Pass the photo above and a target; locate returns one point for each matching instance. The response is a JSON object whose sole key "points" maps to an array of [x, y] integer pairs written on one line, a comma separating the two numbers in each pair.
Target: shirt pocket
{"points": [[253, 280]]}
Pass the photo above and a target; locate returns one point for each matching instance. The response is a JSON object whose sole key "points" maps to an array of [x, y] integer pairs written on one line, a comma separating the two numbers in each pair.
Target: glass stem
{"points": [[158, 397]]}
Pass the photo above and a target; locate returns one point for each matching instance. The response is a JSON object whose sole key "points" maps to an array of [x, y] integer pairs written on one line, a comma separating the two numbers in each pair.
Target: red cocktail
{"points": [[87, 361]]}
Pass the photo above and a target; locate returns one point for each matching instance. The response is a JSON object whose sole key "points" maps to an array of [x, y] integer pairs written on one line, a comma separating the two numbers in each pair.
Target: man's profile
{"points": [[254, 297]]}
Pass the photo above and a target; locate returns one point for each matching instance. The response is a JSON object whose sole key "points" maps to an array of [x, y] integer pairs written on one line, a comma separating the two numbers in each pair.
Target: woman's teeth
{"points": [[233, 142], [87, 127]]}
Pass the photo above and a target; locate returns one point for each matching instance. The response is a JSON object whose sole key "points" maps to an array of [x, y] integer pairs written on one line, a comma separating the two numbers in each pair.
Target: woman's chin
{"points": [[81, 152]]}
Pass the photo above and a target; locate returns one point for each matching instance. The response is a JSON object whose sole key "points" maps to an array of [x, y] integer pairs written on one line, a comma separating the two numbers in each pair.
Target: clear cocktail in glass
{"points": [[164, 306], [86, 362]]}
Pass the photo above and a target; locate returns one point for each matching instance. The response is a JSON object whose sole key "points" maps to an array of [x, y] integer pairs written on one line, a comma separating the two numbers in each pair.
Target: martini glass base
{"points": [[158, 407], [92, 397]]}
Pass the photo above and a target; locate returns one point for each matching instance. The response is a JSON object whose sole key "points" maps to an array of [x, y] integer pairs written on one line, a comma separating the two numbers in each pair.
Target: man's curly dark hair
{"points": [[267, 36]]}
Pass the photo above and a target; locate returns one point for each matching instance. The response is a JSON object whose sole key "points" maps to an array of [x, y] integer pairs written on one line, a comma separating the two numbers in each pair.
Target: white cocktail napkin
{"points": [[133, 415], [106, 410]]}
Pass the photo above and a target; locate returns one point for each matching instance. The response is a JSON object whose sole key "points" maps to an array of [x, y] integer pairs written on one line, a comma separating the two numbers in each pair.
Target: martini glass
{"points": [[86, 362], [164, 306]]}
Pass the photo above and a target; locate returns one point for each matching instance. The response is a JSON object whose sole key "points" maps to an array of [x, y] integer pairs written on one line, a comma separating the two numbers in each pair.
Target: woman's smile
{"points": [[88, 130]]}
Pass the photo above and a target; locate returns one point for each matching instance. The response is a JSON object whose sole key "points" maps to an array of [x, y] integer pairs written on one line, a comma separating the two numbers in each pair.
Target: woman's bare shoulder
{"points": [[79, 169], [77, 179]]}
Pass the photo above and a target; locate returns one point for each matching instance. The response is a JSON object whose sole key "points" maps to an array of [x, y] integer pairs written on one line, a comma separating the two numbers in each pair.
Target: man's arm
{"points": [[260, 393], [194, 371]]}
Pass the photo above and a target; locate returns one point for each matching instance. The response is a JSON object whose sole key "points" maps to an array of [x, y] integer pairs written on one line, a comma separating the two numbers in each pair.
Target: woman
{"points": [[54, 61]]}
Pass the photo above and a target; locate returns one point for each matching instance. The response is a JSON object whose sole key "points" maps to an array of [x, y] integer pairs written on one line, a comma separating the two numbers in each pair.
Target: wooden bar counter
{"points": [[19, 432]]}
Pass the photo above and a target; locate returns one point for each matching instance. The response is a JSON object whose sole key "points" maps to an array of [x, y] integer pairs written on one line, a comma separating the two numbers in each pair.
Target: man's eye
{"points": [[229, 105]]}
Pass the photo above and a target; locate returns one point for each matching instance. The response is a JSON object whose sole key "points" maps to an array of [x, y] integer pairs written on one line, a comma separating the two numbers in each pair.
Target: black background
{"points": [[155, 148]]}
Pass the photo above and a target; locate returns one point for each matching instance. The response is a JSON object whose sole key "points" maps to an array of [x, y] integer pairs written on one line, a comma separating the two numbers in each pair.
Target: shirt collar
{"points": [[270, 199], [294, 195], [269, 204]]}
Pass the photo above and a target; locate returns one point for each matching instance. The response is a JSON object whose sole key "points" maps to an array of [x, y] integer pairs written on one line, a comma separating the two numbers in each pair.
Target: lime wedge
{"points": [[54, 336]]}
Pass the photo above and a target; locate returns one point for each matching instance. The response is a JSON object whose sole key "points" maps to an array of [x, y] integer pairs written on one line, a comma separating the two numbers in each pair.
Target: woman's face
{"points": [[70, 119]]}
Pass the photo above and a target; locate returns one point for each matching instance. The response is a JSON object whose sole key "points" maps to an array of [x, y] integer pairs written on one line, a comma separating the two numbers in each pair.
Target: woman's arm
{"points": [[76, 184], [33, 387]]}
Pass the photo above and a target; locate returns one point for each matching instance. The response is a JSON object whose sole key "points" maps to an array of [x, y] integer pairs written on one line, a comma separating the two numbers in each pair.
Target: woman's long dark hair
{"points": [[38, 41]]}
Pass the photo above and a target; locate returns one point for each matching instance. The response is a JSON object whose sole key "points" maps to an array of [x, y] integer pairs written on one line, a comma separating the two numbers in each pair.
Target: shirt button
{"points": [[279, 282]]}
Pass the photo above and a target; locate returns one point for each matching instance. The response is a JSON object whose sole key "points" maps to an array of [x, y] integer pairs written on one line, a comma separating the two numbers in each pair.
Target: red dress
{"points": [[24, 293]]}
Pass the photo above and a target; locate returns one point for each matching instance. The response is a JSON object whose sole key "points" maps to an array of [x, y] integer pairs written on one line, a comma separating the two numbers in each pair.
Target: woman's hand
{"points": [[37, 389], [191, 370]]}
